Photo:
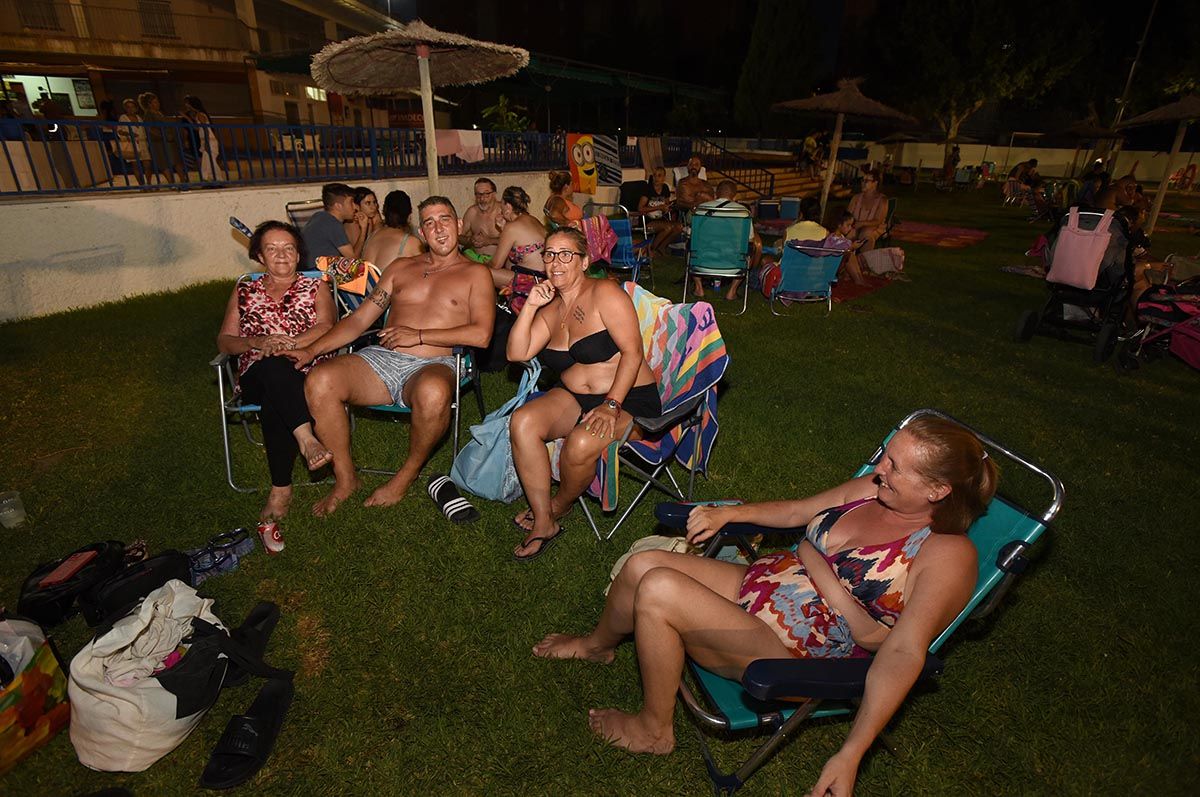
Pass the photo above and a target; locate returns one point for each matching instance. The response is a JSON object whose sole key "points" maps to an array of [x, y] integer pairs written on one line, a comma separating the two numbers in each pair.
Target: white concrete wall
{"points": [[1052, 162], [65, 253]]}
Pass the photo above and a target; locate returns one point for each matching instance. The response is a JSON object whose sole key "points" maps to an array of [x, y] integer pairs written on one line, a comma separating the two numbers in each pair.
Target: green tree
{"points": [[946, 60], [507, 116], [780, 64]]}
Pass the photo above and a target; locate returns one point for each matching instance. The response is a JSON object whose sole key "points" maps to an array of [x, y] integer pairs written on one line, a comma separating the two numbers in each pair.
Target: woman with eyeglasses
{"points": [[279, 311], [870, 211], [587, 331]]}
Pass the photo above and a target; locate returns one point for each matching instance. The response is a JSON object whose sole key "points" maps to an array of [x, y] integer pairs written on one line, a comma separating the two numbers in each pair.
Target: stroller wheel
{"points": [[1106, 342], [1027, 324], [1127, 360]]}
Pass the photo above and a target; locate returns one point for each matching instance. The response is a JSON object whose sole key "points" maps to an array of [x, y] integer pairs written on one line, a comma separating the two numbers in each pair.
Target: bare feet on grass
{"points": [[565, 646], [632, 732], [392, 491], [279, 501], [340, 492]]}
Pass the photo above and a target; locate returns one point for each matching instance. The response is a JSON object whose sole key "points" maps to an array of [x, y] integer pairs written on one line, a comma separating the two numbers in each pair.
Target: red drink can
{"points": [[271, 536]]}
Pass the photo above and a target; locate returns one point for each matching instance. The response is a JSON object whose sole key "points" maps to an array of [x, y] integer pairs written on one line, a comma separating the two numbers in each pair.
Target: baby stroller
{"points": [[1168, 320], [1090, 270]]}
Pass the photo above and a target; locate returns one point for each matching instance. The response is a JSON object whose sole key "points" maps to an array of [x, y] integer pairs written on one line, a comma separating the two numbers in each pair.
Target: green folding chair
{"points": [[765, 700], [719, 246]]}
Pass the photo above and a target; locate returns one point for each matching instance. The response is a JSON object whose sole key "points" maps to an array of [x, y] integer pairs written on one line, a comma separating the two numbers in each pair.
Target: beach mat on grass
{"points": [[844, 290], [918, 232]]}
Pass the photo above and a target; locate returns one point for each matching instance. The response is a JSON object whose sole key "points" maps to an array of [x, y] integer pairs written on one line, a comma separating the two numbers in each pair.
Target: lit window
{"points": [[314, 93]]}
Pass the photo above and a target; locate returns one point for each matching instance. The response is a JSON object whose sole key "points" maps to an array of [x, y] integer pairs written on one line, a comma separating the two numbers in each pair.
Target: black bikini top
{"points": [[597, 347]]}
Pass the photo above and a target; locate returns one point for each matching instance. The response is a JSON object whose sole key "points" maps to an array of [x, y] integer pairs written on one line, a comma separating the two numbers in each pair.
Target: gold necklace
{"points": [[567, 315]]}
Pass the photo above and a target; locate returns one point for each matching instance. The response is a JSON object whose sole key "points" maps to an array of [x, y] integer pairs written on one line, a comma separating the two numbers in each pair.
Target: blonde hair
{"points": [[951, 455]]}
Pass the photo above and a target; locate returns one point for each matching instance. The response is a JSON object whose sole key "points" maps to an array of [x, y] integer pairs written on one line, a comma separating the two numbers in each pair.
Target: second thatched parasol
{"points": [[846, 101], [1184, 110], [414, 56]]}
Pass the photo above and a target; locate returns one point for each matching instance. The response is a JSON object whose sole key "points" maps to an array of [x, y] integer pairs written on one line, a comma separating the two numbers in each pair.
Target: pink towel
{"points": [[471, 142], [448, 143]]}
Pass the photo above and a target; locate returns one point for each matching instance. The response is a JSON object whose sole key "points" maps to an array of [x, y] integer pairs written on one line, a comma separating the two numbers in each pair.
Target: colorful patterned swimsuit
{"points": [[777, 590]]}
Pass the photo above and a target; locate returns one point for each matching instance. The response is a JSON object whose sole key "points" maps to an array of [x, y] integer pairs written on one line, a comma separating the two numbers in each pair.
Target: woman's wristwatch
{"points": [[612, 404]]}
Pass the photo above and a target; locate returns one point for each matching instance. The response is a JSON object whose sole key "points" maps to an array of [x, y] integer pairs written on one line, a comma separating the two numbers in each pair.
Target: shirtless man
{"points": [[691, 190], [482, 221], [436, 300]]}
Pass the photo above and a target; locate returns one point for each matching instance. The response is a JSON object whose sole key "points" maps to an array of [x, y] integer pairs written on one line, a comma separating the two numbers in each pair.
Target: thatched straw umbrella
{"points": [[1182, 111], [411, 57], [846, 101]]}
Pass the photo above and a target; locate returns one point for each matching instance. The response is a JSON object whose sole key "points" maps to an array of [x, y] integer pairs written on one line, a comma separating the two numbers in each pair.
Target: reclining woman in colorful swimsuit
{"points": [[517, 263], [586, 330], [885, 567]]}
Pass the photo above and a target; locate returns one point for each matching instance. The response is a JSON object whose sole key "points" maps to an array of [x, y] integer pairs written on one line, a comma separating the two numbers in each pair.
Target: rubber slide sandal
{"points": [[248, 738], [446, 495], [254, 633]]}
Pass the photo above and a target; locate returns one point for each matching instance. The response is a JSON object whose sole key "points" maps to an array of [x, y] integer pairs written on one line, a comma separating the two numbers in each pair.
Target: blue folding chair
{"points": [[233, 408], [626, 256], [808, 274], [767, 699], [719, 246]]}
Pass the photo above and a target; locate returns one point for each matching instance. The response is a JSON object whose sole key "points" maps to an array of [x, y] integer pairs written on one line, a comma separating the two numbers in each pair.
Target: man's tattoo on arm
{"points": [[380, 297]]}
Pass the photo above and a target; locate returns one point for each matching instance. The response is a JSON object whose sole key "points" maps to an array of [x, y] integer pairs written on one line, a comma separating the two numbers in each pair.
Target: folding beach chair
{"points": [[773, 216], [719, 246], [687, 354], [626, 256], [766, 699], [889, 223], [807, 275], [300, 211], [233, 408]]}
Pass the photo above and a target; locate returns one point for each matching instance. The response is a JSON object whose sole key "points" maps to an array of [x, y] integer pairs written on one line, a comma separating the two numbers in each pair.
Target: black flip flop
{"points": [[248, 738], [546, 543], [254, 632], [446, 495]]}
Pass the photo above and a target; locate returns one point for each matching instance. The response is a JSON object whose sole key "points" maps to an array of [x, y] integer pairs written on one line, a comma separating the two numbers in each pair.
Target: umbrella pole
{"points": [[1161, 194], [431, 164], [833, 154]]}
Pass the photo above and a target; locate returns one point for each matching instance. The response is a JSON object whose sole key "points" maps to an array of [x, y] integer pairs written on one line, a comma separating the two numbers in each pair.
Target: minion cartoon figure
{"points": [[583, 163]]}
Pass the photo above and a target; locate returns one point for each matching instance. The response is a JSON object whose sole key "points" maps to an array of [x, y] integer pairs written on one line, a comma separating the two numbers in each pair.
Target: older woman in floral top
{"points": [[281, 310]]}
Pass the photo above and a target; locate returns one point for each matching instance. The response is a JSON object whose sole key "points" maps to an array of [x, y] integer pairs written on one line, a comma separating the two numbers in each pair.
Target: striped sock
{"points": [[445, 494]]}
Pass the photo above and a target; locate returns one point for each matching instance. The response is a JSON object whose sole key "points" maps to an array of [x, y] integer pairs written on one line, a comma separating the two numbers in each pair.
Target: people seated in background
{"points": [[1020, 178], [482, 222], [396, 237], [885, 566], [843, 238], [280, 311], [435, 301], [518, 261], [559, 209], [1093, 183], [324, 234], [587, 331], [725, 205], [1119, 194], [655, 206], [366, 221], [691, 190], [869, 208], [808, 226]]}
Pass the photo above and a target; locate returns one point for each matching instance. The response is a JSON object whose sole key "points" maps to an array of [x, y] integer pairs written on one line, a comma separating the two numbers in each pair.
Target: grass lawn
{"points": [[411, 637]]}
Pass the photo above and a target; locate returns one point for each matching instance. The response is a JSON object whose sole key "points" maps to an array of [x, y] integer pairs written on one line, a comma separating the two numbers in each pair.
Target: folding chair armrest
{"points": [[218, 361], [823, 679], [673, 515], [667, 420]]}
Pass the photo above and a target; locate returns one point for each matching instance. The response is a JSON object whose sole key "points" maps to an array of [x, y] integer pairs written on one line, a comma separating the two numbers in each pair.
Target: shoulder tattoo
{"points": [[379, 297]]}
